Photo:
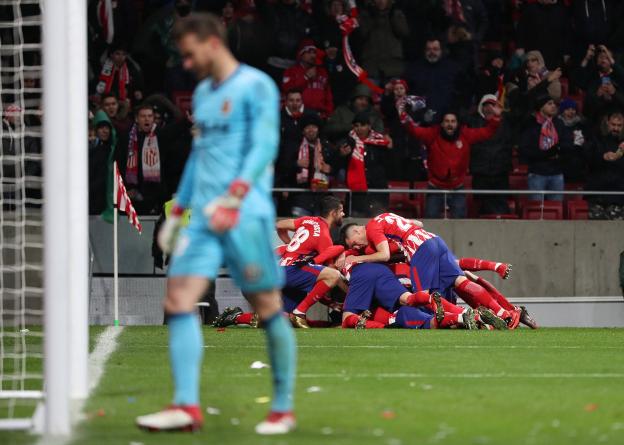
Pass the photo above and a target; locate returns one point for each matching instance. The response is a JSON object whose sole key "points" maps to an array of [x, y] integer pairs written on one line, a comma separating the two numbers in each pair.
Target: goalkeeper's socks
{"points": [[317, 292], [186, 348], [283, 354]]}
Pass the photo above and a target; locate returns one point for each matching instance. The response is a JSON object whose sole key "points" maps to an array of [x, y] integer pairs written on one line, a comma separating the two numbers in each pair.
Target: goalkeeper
{"points": [[227, 184]]}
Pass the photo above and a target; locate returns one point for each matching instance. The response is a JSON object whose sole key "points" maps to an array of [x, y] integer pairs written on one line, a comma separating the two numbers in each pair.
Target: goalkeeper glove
{"points": [[169, 231], [223, 213]]}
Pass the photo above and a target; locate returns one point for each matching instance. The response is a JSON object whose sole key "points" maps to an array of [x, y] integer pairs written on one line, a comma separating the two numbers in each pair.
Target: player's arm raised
{"points": [[223, 212], [283, 226]]}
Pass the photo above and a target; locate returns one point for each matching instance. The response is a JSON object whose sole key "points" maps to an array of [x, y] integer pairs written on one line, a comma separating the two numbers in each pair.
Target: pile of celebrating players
{"points": [[389, 273]]}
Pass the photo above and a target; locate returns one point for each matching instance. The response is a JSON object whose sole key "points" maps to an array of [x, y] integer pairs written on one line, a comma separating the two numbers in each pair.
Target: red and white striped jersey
{"points": [[400, 233], [311, 238]]}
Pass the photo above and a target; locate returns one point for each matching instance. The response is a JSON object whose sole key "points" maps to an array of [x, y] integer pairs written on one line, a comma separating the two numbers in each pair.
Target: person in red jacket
{"points": [[311, 78], [448, 146]]}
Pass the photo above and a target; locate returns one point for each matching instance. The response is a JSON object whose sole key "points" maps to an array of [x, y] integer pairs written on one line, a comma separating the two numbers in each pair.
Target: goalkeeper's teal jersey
{"points": [[236, 136]]}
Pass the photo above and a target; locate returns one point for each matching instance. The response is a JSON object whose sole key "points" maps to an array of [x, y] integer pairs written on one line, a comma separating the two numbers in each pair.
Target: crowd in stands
{"points": [[460, 94]]}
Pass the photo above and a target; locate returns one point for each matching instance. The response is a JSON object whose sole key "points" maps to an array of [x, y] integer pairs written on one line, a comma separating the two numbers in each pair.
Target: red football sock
{"points": [[500, 298], [450, 320], [382, 316], [476, 296], [420, 298], [352, 320], [244, 318], [317, 292], [450, 307], [476, 264]]}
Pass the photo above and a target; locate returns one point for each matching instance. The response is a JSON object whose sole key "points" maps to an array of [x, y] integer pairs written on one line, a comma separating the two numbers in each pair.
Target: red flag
{"points": [[122, 201]]}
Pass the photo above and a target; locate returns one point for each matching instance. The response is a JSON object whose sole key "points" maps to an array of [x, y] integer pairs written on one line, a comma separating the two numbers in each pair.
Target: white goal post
{"points": [[63, 223]]}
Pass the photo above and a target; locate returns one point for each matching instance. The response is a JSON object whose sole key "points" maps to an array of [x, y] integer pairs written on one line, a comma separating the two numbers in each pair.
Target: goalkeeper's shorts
{"points": [[245, 250]]}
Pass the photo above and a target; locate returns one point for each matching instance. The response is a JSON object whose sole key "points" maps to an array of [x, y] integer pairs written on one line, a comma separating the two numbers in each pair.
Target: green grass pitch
{"points": [[551, 386]]}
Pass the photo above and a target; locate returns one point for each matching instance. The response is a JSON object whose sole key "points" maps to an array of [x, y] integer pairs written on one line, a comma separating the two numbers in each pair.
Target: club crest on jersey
{"points": [[459, 144], [226, 106]]}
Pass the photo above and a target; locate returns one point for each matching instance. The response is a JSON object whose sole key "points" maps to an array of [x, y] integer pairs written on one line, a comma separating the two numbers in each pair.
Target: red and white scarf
{"points": [[548, 134], [107, 77], [347, 26], [356, 171], [319, 179], [455, 10], [150, 157]]}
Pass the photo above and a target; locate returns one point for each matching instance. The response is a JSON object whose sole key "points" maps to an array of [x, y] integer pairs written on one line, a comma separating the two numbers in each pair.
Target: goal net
{"points": [[21, 238]]}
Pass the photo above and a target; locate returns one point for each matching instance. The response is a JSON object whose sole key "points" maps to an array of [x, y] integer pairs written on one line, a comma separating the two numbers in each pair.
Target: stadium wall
{"points": [[550, 258]]}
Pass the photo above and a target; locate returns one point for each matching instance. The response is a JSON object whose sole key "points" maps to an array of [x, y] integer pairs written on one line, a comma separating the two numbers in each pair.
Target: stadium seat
{"points": [[574, 187], [550, 210], [577, 209]]}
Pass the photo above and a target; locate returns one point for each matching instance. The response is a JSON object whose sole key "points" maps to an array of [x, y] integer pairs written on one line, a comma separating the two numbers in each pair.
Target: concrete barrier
{"points": [[550, 258]]}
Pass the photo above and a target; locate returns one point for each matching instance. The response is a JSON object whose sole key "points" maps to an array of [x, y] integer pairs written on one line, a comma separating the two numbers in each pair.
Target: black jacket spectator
{"points": [[573, 162], [544, 162], [381, 32], [545, 27], [605, 175], [99, 154], [490, 162], [434, 77]]}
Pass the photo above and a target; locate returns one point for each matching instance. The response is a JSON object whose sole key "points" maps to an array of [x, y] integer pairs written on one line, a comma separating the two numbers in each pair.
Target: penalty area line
{"points": [[407, 375]]}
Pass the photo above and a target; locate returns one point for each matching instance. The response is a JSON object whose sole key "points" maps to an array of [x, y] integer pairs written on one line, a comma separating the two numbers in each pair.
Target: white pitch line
{"points": [[416, 346], [407, 375], [105, 345]]}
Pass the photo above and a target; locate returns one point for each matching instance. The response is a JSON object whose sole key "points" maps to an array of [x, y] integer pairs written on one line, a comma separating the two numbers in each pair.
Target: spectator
{"points": [[573, 163], [545, 26], [12, 118], [340, 123], [227, 13], [313, 166], [290, 139], [139, 158], [382, 28], [490, 160], [341, 79], [407, 156], [120, 75], [249, 37], [434, 77], [535, 66], [311, 78], [449, 146], [602, 81], [593, 22], [100, 152], [606, 168], [289, 25], [490, 76], [541, 145], [157, 51], [116, 112], [365, 155]]}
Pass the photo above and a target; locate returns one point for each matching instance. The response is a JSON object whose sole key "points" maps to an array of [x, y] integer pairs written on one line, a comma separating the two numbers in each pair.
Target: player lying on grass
{"points": [[227, 184], [433, 267], [374, 284], [311, 246]]}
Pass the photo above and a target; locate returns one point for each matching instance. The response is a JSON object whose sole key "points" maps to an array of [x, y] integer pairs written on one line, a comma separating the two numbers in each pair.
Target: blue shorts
{"points": [[434, 267], [372, 282], [245, 250], [408, 317], [300, 280]]}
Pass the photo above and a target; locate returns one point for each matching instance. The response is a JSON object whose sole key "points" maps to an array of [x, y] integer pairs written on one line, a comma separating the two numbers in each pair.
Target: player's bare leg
{"points": [[283, 354], [327, 279], [185, 355]]}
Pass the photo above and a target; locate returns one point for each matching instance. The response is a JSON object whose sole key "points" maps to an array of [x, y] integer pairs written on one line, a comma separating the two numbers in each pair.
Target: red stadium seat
{"points": [[550, 210], [520, 170], [400, 202], [574, 187], [578, 209]]}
